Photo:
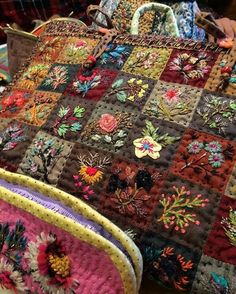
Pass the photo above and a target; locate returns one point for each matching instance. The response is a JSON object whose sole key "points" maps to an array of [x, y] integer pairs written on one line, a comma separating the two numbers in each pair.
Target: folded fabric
{"points": [[48, 247]]}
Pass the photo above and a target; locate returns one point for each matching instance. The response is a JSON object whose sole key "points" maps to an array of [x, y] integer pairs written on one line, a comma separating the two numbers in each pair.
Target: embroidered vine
{"points": [[115, 54], [87, 81], [11, 137], [42, 158], [130, 190], [170, 104], [168, 267], [191, 67], [217, 113], [152, 142], [216, 284], [145, 59], [177, 209], [109, 129], [206, 157], [56, 77], [68, 120], [229, 224], [132, 90], [91, 171]]}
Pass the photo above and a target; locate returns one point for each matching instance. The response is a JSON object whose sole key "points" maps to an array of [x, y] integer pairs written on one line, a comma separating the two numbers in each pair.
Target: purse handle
{"points": [[91, 12], [174, 31]]}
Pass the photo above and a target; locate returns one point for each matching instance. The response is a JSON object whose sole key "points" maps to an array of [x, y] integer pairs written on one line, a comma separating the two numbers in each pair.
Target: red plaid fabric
{"points": [[23, 12]]}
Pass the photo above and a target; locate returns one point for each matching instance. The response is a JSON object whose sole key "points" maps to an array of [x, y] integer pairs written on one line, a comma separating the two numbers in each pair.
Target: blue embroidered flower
{"points": [[216, 159], [213, 147], [195, 147], [115, 54]]}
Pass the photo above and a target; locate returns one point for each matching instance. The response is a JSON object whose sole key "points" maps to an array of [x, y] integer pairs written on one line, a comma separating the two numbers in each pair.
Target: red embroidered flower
{"points": [[172, 95], [108, 123]]}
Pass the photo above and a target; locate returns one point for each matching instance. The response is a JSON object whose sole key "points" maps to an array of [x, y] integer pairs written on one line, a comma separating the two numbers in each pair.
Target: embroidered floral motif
{"points": [[191, 67], [229, 224], [87, 81], [33, 76], [11, 137], [50, 265], [177, 209], [131, 189], [168, 267], [68, 120], [217, 113], [216, 284], [38, 108], [171, 103], [12, 247], [148, 62], [14, 102], [91, 171], [152, 142], [42, 157], [115, 54], [56, 77], [49, 49], [109, 129], [123, 16], [133, 90], [201, 150]]}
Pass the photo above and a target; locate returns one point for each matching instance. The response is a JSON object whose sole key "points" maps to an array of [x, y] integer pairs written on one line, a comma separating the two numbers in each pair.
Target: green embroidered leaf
{"points": [[121, 96], [226, 114], [232, 105], [117, 84], [121, 134], [62, 130], [165, 139], [119, 143], [96, 138], [75, 127], [107, 139], [79, 111], [63, 111], [150, 130]]}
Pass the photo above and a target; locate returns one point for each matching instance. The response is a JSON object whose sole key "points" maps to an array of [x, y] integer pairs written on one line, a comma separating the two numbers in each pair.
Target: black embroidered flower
{"points": [[144, 180], [115, 183]]}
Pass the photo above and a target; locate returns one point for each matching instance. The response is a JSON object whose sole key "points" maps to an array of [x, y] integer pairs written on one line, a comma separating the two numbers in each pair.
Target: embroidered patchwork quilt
{"points": [[144, 137]]}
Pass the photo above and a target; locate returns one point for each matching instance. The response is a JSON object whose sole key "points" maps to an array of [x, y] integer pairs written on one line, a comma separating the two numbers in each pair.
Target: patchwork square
{"points": [[114, 56], [33, 76], [189, 67], [131, 191], [39, 106], [108, 127], [15, 137], [129, 89], [59, 76], [77, 50], [69, 117], [153, 142], [169, 264], [84, 172], [231, 186], [172, 102], [221, 242], [49, 48], [213, 275], [216, 114], [204, 159], [148, 62], [45, 158], [185, 212], [91, 84], [13, 102]]}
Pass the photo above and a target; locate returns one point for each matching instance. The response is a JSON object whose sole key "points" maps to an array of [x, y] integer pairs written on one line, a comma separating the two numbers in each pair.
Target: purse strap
{"points": [[157, 7]]}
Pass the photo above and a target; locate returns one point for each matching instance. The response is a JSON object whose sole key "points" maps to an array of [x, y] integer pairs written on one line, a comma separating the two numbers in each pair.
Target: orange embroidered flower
{"points": [[108, 123], [90, 174]]}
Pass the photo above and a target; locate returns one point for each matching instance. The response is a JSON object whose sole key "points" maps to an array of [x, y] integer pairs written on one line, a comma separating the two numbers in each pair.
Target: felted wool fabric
{"points": [[145, 137], [40, 253]]}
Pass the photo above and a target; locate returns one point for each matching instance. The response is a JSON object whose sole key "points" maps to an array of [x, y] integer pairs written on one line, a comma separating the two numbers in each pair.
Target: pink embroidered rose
{"points": [[108, 123]]}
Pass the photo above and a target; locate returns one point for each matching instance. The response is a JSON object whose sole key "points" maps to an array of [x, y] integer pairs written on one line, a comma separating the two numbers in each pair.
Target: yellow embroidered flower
{"points": [[146, 146], [90, 175], [137, 89]]}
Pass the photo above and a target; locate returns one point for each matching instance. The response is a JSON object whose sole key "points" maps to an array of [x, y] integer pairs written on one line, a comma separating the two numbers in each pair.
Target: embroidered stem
{"points": [[193, 162]]}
